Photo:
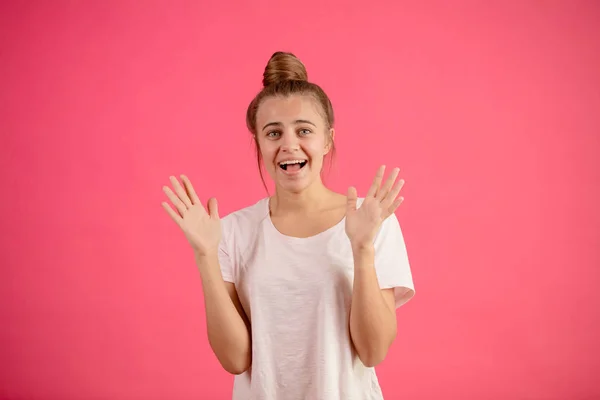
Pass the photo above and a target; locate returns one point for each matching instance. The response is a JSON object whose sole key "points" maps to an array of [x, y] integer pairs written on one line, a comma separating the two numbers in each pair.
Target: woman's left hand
{"points": [[362, 224]]}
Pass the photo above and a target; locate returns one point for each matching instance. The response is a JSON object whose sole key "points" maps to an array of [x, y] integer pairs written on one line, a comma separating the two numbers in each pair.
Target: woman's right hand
{"points": [[202, 229]]}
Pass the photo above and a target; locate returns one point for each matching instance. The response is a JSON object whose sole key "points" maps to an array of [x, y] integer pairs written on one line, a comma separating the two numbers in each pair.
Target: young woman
{"points": [[300, 287]]}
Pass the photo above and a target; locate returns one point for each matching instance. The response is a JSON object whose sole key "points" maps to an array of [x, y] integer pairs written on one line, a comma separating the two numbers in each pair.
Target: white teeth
{"points": [[291, 162]]}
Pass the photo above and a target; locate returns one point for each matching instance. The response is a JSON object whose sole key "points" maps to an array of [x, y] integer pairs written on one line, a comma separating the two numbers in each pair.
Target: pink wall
{"points": [[492, 112]]}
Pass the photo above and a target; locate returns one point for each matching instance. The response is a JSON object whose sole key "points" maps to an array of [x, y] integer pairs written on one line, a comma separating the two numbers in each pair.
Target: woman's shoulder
{"points": [[247, 216]]}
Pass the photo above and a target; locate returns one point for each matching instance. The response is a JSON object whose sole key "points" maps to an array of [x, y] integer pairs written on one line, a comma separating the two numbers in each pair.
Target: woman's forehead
{"points": [[288, 109]]}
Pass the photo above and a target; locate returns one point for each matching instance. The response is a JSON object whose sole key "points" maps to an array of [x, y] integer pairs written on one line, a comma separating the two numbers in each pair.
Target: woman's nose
{"points": [[289, 142]]}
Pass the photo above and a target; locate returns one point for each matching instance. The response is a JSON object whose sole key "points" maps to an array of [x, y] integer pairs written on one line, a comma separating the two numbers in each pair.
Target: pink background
{"points": [[490, 109]]}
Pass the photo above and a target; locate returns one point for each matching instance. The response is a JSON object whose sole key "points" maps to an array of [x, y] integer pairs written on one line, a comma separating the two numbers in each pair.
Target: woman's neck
{"points": [[313, 198]]}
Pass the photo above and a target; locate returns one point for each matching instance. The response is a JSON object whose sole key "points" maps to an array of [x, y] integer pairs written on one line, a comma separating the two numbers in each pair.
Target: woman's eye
{"points": [[272, 134], [304, 131]]}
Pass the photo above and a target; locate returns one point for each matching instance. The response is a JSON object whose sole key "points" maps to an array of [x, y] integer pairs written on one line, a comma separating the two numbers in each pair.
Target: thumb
{"points": [[352, 198], [213, 208]]}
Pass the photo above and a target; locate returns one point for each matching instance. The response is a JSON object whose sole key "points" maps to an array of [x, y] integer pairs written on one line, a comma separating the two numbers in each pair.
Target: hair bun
{"points": [[284, 67]]}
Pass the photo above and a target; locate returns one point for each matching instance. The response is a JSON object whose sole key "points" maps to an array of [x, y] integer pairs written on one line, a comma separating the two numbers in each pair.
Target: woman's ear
{"points": [[329, 143]]}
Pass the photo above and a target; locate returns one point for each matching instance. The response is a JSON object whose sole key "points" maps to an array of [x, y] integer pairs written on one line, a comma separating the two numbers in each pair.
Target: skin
{"points": [[226, 322], [294, 128]]}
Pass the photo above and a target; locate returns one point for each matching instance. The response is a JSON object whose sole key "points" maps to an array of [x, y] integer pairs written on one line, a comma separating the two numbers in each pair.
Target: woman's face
{"points": [[293, 138]]}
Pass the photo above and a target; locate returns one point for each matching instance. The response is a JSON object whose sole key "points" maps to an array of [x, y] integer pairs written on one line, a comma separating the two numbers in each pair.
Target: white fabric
{"points": [[296, 293]]}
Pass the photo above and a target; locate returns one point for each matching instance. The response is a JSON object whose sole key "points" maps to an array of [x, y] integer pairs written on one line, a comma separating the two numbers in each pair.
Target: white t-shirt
{"points": [[296, 293]]}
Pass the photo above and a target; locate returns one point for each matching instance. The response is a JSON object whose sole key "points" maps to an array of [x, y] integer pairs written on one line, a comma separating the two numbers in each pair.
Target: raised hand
{"points": [[380, 202], [202, 229]]}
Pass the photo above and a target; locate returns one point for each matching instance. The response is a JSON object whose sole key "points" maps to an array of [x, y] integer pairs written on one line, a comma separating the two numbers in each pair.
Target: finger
{"points": [[181, 192], [383, 192], [213, 207], [376, 182], [174, 216], [190, 190], [352, 198], [395, 205], [393, 194], [182, 208]]}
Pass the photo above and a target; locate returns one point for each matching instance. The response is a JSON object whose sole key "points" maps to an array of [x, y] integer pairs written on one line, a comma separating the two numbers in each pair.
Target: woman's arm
{"points": [[372, 312], [227, 324]]}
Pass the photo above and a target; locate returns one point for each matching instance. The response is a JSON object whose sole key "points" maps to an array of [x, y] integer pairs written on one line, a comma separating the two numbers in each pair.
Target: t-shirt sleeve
{"points": [[391, 261], [226, 260]]}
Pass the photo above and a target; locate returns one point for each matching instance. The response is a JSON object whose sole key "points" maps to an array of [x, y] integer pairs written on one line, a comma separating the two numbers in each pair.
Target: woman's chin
{"points": [[294, 182], [296, 185]]}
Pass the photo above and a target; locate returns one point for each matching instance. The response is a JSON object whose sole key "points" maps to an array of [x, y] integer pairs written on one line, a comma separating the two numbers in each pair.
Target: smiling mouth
{"points": [[293, 166]]}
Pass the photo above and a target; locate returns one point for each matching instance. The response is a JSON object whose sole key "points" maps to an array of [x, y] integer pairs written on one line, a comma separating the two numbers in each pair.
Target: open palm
{"points": [[380, 202], [201, 228]]}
